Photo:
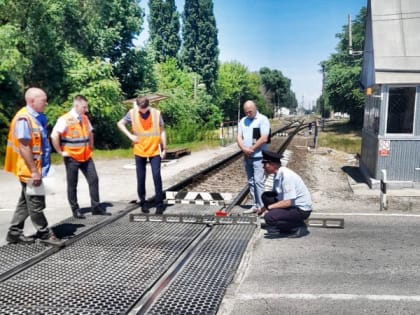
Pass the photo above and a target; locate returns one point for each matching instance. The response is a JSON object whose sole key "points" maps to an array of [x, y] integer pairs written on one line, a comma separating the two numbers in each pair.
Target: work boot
{"points": [[98, 210], [160, 210], [19, 239], [299, 232], [144, 208], [77, 214], [51, 239]]}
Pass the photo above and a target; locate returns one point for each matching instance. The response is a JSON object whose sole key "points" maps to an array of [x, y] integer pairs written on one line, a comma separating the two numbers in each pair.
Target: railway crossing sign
{"points": [[198, 198]]}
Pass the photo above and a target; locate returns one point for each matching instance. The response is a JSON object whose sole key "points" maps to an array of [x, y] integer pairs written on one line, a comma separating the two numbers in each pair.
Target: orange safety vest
{"points": [[147, 131], [75, 139], [14, 163]]}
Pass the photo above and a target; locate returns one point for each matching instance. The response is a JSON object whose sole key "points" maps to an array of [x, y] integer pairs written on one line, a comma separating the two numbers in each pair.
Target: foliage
{"points": [[342, 136], [170, 77], [200, 50], [185, 115], [234, 85], [135, 72], [12, 68], [164, 26], [94, 80], [342, 71], [277, 88]]}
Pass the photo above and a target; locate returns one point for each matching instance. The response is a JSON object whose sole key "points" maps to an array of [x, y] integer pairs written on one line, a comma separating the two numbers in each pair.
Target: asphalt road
{"points": [[369, 267]]}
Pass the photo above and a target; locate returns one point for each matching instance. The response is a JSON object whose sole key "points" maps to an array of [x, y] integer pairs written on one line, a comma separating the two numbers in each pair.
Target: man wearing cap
{"points": [[289, 203], [253, 135]]}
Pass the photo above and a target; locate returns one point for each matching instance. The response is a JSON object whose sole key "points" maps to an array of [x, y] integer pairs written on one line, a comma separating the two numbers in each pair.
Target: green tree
{"points": [[276, 88], [200, 50], [188, 118], [164, 27], [234, 85], [135, 72], [12, 69], [342, 74], [95, 80]]}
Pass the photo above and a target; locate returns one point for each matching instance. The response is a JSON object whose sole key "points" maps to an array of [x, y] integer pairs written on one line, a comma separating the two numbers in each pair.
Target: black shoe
{"points": [[160, 210], [299, 232], [19, 239], [52, 240], [144, 209], [271, 229], [98, 210], [77, 214]]}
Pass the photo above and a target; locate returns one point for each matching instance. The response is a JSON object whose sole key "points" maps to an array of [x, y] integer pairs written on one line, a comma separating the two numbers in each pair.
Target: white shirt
{"points": [[61, 126], [289, 186]]}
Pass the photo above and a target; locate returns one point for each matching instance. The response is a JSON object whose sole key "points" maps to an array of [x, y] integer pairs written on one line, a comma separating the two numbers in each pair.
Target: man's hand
{"points": [[36, 179], [248, 151], [163, 154], [133, 138], [261, 211]]}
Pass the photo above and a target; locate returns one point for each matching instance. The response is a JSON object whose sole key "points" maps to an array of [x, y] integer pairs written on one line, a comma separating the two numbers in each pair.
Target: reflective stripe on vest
{"points": [[14, 163]]}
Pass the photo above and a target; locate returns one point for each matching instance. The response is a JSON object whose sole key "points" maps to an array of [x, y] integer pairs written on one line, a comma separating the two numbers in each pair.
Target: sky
{"points": [[292, 36]]}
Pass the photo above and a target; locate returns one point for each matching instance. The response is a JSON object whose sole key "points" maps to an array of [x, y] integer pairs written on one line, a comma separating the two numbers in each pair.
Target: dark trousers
{"points": [[286, 219], [155, 162], [29, 206], [89, 171]]}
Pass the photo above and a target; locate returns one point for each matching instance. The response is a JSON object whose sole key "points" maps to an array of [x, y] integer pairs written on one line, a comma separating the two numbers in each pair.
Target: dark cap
{"points": [[270, 156]]}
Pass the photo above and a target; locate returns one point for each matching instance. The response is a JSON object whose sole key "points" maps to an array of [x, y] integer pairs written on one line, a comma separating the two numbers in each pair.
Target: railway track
{"points": [[131, 263]]}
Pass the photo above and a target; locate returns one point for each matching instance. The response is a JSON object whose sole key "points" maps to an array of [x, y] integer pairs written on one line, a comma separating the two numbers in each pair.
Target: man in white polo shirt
{"points": [[289, 203]]}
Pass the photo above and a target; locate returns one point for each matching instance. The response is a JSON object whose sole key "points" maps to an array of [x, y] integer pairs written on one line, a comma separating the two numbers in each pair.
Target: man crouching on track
{"points": [[289, 203]]}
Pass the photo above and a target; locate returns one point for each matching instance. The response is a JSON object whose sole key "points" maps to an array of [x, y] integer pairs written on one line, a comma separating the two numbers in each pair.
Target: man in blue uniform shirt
{"points": [[289, 203], [253, 135]]}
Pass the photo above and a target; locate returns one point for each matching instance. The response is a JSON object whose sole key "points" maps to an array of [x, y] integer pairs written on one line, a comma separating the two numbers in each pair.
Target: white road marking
{"points": [[6, 210], [303, 296], [367, 214]]}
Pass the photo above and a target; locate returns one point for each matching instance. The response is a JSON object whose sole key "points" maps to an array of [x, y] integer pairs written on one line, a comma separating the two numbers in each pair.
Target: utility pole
{"points": [[323, 97]]}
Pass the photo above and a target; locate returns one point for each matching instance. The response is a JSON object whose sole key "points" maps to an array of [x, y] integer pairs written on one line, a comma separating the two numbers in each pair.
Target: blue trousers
{"points": [[255, 174], [155, 162]]}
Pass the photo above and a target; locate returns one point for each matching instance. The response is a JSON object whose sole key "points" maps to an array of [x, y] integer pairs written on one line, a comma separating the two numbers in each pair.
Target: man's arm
{"points": [[277, 205], [122, 126], [91, 140], [25, 152], [246, 150], [162, 142], [55, 140]]}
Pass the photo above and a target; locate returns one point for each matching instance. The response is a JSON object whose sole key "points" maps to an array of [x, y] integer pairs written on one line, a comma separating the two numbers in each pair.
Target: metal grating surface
{"points": [[12, 255], [104, 273], [200, 286]]}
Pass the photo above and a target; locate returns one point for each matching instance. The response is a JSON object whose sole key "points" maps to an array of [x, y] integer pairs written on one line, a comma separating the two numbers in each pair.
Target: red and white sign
{"points": [[384, 147]]}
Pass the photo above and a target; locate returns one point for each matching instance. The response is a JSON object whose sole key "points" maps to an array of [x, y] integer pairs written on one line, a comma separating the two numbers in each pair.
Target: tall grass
{"points": [[341, 136]]}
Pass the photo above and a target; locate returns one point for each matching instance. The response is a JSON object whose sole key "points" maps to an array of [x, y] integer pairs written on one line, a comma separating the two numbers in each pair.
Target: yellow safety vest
{"points": [[14, 163], [75, 139], [148, 133]]}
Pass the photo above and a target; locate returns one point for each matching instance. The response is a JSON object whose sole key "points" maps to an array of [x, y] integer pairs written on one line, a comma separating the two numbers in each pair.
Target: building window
{"points": [[401, 103]]}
